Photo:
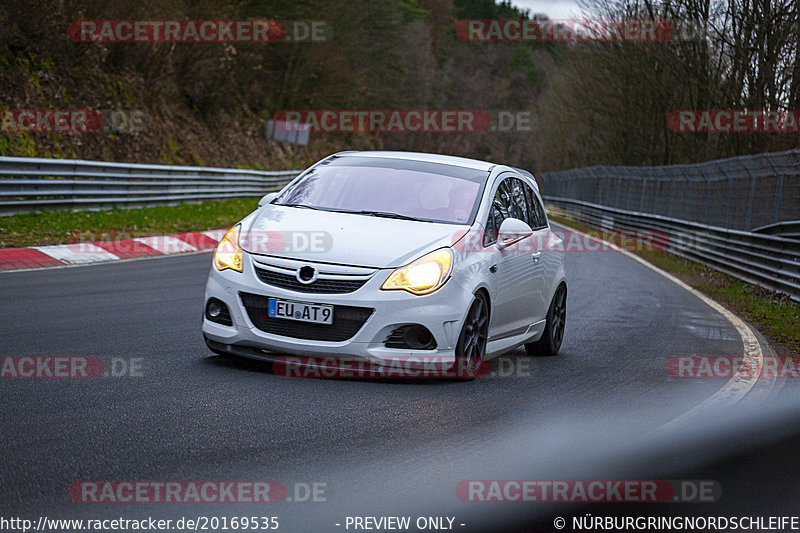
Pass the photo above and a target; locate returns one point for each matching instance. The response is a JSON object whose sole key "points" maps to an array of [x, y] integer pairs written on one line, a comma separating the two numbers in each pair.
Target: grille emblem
{"points": [[306, 274]]}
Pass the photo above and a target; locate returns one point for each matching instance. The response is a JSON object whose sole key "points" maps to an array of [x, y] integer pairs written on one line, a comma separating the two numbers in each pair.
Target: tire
{"points": [[471, 345], [553, 334]]}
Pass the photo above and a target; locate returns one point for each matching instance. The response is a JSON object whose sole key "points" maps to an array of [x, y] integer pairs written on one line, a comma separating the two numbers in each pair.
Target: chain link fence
{"points": [[744, 193]]}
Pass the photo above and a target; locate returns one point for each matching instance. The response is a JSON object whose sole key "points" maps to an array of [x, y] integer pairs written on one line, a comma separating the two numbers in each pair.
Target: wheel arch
{"points": [[485, 292], [554, 288]]}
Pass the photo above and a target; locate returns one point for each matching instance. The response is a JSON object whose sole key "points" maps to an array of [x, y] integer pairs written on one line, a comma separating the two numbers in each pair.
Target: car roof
{"points": [[428, 158]]}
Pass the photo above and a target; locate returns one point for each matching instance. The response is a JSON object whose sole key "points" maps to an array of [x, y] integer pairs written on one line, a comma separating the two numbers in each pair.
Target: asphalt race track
{"points": [[595, 411]]}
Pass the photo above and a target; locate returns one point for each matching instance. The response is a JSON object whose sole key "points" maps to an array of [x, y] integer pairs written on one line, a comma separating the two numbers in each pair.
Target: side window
{"points": [[502, 200], [538, 217], [510, 200], [520, 204], [497, 213], [490, 235]]}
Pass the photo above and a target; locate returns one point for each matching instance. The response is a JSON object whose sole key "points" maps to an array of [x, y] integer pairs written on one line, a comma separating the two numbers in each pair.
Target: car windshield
{"points": [[393, 188]]}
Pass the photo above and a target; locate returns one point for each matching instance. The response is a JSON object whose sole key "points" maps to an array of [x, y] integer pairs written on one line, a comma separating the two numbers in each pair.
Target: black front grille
{"points": [[328, 286], [347, 320]]}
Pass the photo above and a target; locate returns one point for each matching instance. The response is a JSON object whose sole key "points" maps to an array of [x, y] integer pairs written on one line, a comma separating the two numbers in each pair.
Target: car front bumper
{"points": [[441, 312]]}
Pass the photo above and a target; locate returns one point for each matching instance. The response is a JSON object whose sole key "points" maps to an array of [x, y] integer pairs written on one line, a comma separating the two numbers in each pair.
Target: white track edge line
{"points": [[738, 386]]}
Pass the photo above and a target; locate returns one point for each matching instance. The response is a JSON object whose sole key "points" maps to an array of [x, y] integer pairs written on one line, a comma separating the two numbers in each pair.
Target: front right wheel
{"points": [[553, 334]]}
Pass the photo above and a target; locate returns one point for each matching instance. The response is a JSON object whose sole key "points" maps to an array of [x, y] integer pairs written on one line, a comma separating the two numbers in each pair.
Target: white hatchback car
{"points": [[391, 256]]}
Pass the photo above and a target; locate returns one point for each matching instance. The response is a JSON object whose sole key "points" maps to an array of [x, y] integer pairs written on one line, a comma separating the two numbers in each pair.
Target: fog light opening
{"points": [[214, 309], [418, 338], [217, 311]]}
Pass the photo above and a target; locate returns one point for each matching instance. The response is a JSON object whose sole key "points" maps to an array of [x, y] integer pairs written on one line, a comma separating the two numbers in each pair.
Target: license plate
{"points": [[300, 311]]}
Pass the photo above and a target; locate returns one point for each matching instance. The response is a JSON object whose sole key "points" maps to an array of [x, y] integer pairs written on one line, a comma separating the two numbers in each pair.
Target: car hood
{"points": [[342, 238]]}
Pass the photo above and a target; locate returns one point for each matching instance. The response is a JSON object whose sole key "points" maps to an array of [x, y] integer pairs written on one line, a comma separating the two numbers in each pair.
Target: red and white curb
{"points": [[102, 251]]}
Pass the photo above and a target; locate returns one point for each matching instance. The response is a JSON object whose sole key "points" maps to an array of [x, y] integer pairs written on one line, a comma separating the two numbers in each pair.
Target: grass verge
{"points": [[64, 227], [773, 314]]}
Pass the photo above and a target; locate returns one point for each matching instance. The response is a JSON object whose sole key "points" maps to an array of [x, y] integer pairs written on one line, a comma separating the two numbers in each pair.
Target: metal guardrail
{"points": [[32, 184], [790, 228], [744, 192], [770, 261]]}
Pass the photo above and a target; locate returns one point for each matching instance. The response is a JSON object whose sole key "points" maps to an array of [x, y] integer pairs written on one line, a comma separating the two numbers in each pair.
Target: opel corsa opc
{"points": [[391, 256]]}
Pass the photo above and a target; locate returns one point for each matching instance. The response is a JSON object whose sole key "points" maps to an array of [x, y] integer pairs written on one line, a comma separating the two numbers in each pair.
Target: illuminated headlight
{"points": [[228, 253], [423, 276]]}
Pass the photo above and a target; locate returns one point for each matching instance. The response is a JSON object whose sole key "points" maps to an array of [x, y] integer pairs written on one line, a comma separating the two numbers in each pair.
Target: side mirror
{"points": [[267, 198], [512, 230]]}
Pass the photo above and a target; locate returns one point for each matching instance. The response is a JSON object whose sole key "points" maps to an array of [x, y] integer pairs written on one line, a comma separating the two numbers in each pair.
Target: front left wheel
{"points": [[471, 346], [553, 335]]}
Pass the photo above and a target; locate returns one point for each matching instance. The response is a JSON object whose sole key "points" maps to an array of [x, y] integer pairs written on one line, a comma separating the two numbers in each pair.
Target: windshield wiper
{"points": [[304, 206], [385, 214]]}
